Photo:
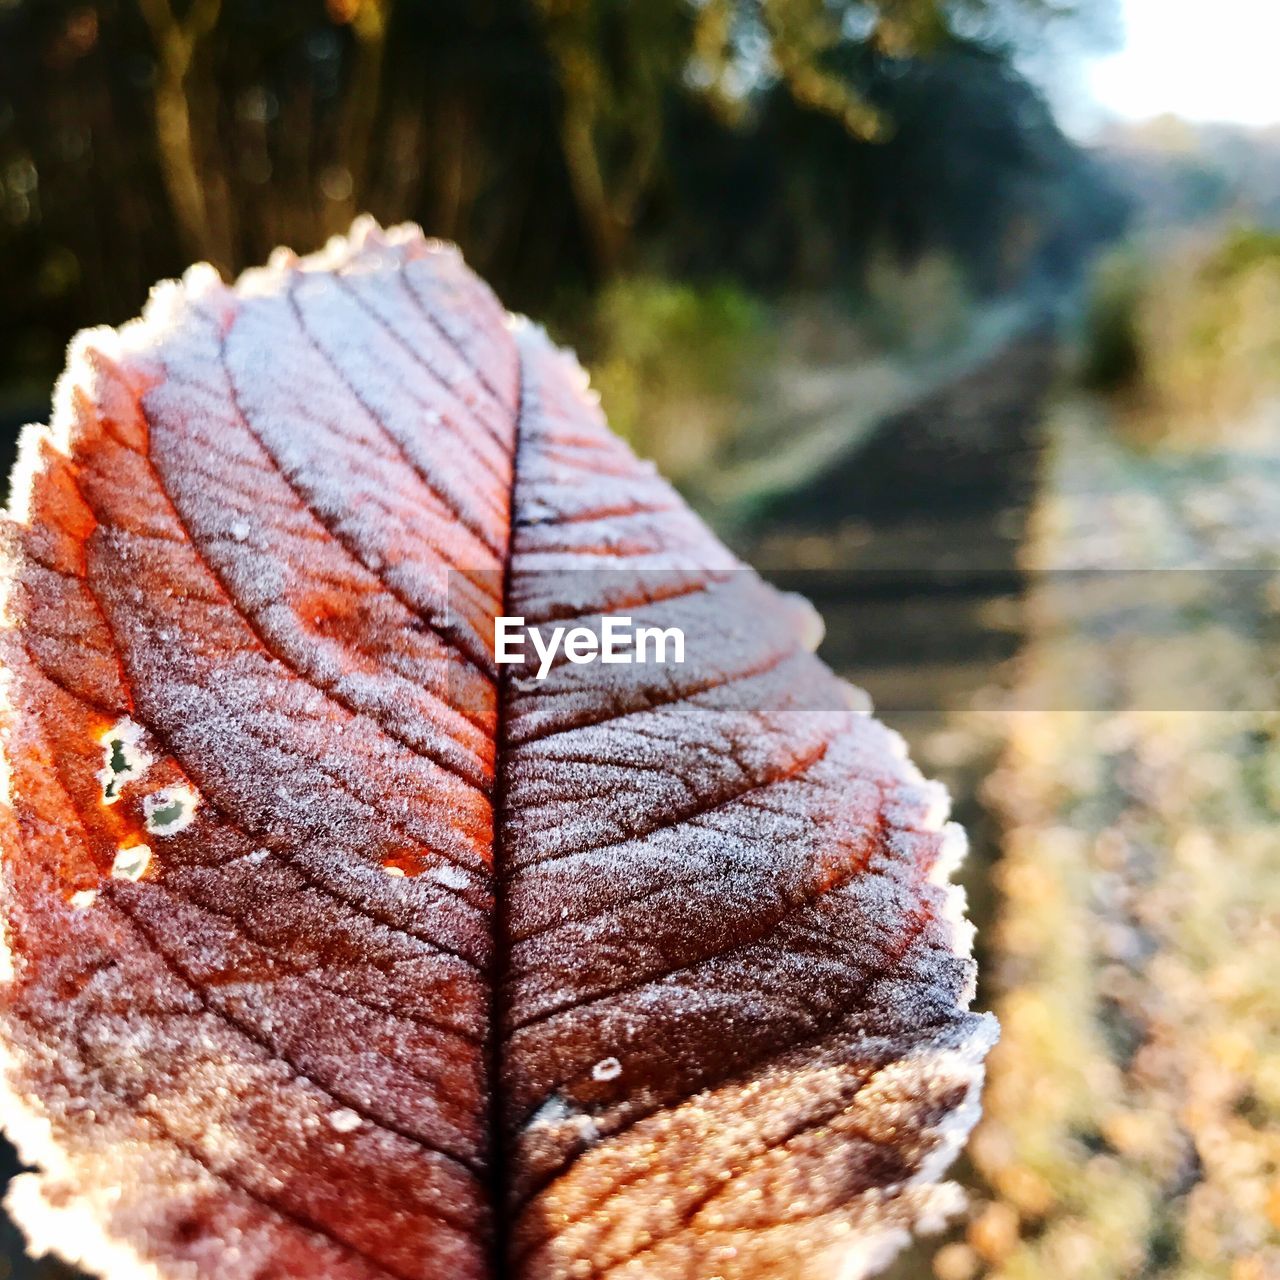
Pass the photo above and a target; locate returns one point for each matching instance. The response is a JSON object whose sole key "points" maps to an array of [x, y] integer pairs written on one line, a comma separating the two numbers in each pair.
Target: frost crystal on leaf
{"points": [[344, 1120], [452, 877]]}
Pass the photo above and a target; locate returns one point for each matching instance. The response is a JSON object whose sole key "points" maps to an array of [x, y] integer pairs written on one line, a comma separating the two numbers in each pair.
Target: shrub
{"points": [[917, 308], [670, 360], [1112, 356], [1193, 338]]}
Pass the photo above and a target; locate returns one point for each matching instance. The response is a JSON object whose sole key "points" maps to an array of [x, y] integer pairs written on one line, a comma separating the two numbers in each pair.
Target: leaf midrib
{"points": [[498, 1143]]}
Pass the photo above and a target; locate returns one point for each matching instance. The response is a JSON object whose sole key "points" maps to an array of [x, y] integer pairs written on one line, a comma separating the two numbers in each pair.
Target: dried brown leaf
{"points": [[335, 952]]}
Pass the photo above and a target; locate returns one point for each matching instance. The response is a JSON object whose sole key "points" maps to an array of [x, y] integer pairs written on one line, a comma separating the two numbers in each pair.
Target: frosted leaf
{"points": [[252, 571]]}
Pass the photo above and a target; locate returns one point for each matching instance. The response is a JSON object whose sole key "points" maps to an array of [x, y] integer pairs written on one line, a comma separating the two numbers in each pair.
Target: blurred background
{"points": [[960, 316]]}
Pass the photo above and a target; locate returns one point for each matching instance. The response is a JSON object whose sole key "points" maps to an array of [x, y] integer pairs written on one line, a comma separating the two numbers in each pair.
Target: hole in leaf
{"points": [[132, 862], [403, 862], [170, 810], [124, 759]]}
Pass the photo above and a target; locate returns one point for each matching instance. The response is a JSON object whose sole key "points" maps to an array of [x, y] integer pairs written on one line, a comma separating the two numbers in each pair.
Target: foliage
{"points": [[1112, 357], [1243, 250], [1201, 322], [918, 307], [671, 361], [562, 143]]}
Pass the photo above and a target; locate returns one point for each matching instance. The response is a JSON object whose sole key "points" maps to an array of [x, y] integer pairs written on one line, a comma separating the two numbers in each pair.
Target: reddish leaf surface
{"points": [[335, 952]]}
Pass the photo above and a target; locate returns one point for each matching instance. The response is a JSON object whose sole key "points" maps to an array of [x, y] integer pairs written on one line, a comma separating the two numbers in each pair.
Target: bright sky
{"points": [[1203, 59]]}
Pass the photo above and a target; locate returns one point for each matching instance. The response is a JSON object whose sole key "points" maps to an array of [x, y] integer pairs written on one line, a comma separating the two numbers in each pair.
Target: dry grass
{"points": [[1133, 1110], [1190, 338]]}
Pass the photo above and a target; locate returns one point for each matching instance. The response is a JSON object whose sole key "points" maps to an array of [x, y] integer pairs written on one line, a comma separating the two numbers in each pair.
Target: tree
{"points": [[619, 65]]}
